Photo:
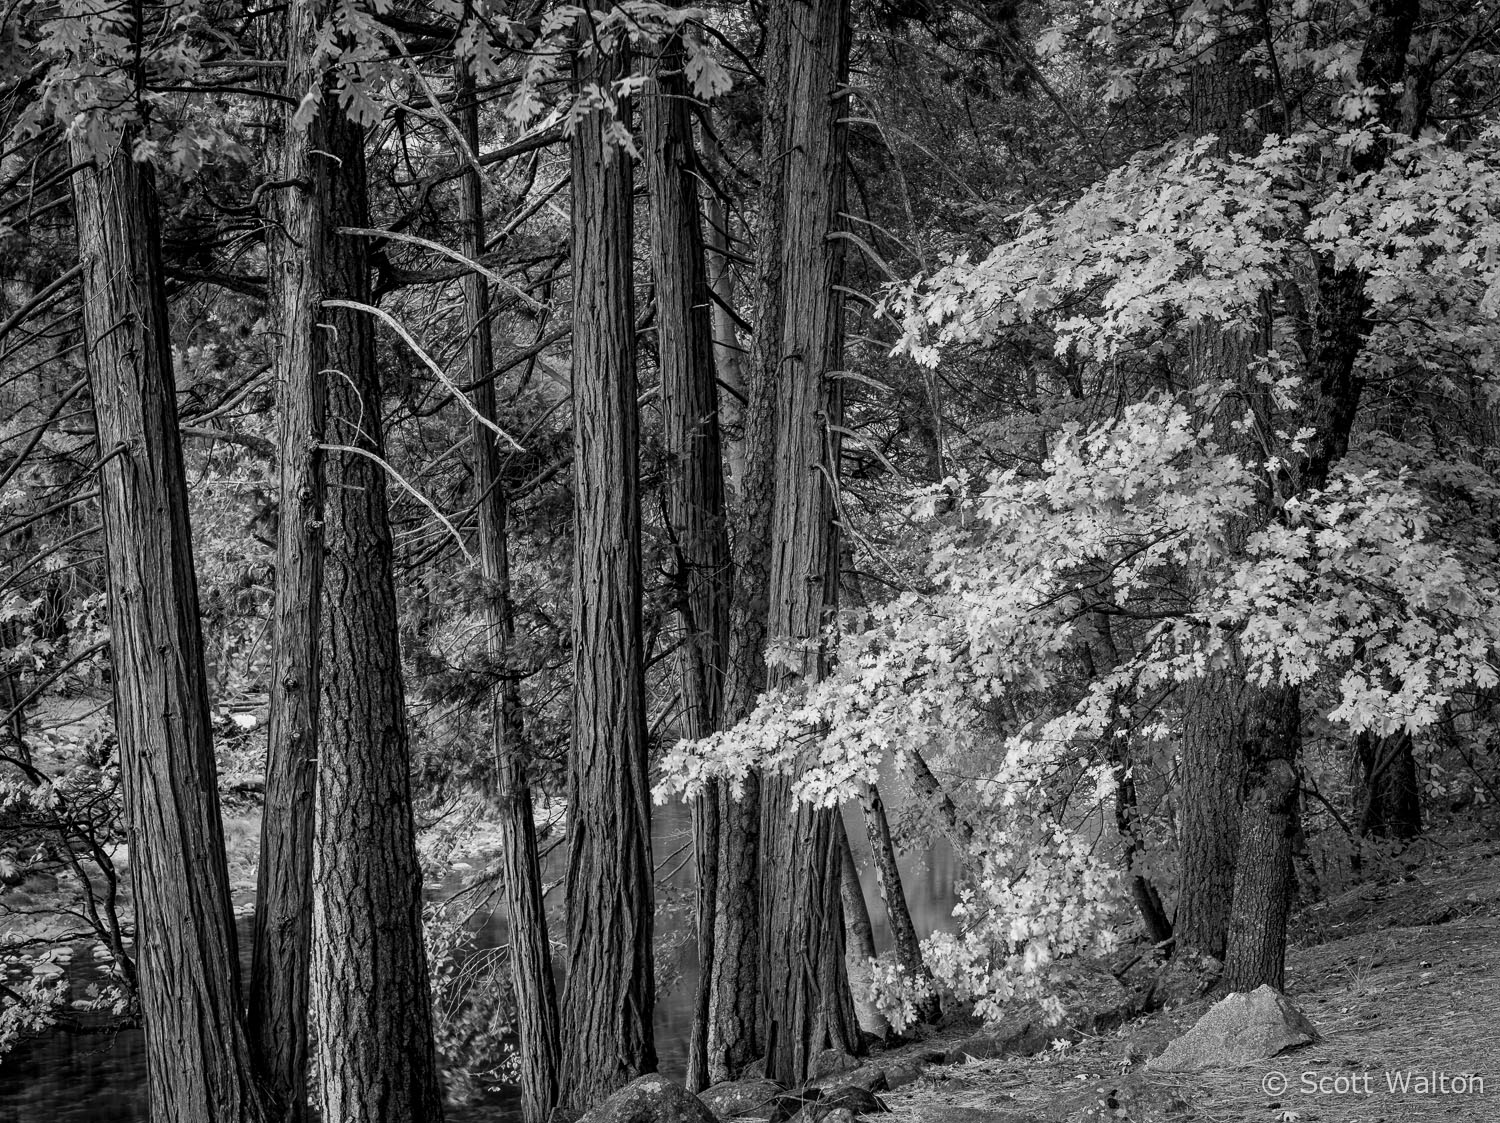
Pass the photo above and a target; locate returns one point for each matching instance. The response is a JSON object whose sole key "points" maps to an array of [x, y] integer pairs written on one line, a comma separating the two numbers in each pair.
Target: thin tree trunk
{"points": [[198, 1057], [859, 933], [888, 878], [530, 949], [1127, 813], [956, 829], [696, 524], [729, 358], [1127, 822], [371, 995], [1388, 797], [301, 246], [803, 982], [607, 1002]]}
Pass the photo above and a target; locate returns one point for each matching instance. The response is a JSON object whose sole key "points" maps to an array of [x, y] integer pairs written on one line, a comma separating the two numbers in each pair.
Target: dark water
{"points": [[100, 1078]]}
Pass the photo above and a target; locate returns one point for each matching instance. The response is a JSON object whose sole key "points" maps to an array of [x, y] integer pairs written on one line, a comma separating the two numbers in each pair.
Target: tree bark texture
{"points": [[198, 1057], [1263, 882], [956, 829], [859, 936], [1211, 775], [1265, 879], [804, 987], [888, 877], [735, 1033], [695, 486], [305, 258], [610, 989], [530, 950], [371, 996], [1231, 101]]}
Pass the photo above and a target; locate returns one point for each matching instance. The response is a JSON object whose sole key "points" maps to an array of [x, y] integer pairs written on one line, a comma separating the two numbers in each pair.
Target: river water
{"points": [[100, 1078]]}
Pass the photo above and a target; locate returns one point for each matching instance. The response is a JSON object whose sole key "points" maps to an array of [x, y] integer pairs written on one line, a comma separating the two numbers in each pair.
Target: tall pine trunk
{"points": [[198, 1057], [371, 996], [804, 986], [610, 989], [735, 1034], [301, 247], [530, 950], [695, 500]]}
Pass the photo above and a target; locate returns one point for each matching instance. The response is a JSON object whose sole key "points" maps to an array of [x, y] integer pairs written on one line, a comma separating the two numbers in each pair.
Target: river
{"points": [[100, 1078]]}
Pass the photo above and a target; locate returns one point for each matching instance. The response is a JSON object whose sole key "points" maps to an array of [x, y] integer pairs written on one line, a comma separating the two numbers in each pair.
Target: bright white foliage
{"points": [[1344, 586], [1178, 236]]}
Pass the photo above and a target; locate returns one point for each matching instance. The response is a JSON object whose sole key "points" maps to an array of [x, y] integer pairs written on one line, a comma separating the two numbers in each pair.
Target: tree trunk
{"points": [[1127, 822], [302, 248], [370, 991], [607, 1002], [695, 500], [957, 830], [1263, 880], [1341, 324], [729, 358], [803, 983], [198, 1057], [860, 950], [735, 1032], [1388, 797], [1265, 877], [1232, 100], [888, 877], [1210, 779], [535, 990]]}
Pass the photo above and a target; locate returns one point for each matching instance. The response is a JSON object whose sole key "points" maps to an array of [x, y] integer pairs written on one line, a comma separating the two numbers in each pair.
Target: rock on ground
{"points": [[738, 1098], [1237, 1030], [651, 1099]]}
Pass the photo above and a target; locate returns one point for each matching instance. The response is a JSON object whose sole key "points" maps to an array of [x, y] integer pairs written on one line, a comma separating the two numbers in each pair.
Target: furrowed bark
{"points": [[530, 950], [1263, 881], [735, 1033], [198, 1056], [302, 247], [803, 981], [1265, 877], [1212, 771], [1231, 100], [610, 990], [695, 501], [371, 996]]}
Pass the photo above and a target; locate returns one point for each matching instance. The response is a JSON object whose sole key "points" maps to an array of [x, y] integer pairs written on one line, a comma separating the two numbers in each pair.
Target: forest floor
{"points": [[1401, 977]]}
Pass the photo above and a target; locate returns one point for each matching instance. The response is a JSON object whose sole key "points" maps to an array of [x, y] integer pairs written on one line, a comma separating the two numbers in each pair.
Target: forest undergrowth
{"points": [[1398, 974]]}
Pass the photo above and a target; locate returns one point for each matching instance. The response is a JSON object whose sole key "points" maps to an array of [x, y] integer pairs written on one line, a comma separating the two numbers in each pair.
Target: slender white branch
{"points": [[428, 360], [395, 475], [536, 307]]}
